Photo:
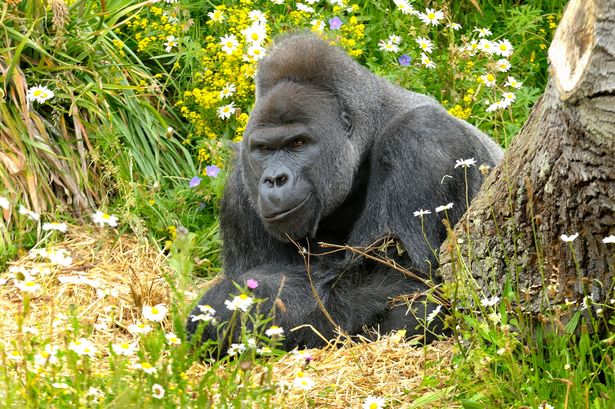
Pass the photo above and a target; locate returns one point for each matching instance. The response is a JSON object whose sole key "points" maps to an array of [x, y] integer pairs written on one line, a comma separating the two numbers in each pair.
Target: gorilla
{"points": [[335, 154]]}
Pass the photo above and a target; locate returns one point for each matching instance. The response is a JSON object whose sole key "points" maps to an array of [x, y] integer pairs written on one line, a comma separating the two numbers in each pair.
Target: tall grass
{"points": [[104, 132]]}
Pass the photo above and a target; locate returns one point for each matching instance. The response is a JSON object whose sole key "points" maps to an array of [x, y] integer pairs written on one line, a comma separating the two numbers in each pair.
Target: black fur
{"points": [[369, 155]]}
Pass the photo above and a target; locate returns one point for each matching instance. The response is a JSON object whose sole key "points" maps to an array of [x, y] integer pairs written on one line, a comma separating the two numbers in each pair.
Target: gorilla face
{"points": [[298, 159]]}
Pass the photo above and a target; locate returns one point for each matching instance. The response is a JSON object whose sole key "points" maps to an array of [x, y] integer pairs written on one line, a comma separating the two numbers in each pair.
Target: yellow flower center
{"points": [[37, 92], [431, 16], [490, 77], [373, 405], [243, 296]]}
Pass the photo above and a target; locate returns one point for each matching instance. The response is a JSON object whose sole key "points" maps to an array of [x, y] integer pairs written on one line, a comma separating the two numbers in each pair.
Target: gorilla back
{"points": [[332, 153]]}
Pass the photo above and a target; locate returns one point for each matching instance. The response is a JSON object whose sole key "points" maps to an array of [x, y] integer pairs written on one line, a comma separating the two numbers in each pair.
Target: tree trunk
{"points": [[557, 177]]}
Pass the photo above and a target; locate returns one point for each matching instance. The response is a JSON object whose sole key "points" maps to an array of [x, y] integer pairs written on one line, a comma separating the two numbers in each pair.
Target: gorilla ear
{"points": [[346, 121]]}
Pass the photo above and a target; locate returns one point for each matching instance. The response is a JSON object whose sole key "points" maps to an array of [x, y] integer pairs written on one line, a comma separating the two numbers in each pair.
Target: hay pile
{"points": [[112, 277], [389, 367]]}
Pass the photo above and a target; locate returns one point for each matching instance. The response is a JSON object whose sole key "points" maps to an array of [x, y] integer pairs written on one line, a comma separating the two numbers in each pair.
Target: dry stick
{"points": [[386, 261], [306, 258]]}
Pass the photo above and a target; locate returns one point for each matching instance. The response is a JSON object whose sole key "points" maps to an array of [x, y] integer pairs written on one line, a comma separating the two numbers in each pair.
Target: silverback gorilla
{"points": [[333, 153]]}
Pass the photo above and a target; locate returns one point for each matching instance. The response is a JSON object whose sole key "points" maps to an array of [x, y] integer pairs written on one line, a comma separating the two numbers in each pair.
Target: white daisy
{"points": [[302, 381], [431, 16], [39, 94], [512, 82], [425, 44], [124, 348], [4, 203], [229, 43], [405, 7], [170, 43], [236, 349], [427, 62], [157, 391], [305, 8], [228, 90], [241, 302], [256, 33], [482, 32], [433, 314], [490, 301], [466, 163], [569, 239], [495, 107], [508, 98], [486, 46], [421, 212], [274, 331], [31, 215], [503, 65], [373, 402], [172, 339], [61, 227], [444, 207], [83, 346], [155, 313], [388, 46], [318, 25], [139, 328], [395, 39], [255, 52], [216, 15], [503, 48], [488, 79], [102, 218], [225, 111], [258, 16]]}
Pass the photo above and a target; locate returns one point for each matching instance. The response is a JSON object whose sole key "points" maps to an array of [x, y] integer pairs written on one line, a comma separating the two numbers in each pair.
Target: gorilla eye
{"points": [[297, 143], [262, 147]]}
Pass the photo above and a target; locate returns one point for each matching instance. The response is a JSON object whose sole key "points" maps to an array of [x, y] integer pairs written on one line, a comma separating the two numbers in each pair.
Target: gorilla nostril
{"points": [[281, 180], [269, 181]]}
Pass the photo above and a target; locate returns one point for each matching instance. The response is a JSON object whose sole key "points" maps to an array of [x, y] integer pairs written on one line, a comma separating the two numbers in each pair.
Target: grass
{"points": [[134, 118]]}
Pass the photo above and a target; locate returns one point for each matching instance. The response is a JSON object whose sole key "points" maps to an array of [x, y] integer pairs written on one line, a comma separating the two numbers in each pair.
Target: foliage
{"points": [[147, 99]]}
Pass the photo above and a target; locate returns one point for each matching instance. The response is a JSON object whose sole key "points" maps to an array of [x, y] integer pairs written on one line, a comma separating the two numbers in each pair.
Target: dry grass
{"points": [[119, 274], [115, 276], [389, 367]]}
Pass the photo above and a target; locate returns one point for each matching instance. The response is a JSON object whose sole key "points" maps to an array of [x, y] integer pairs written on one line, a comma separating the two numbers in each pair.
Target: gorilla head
{"points": [[298, 156]]}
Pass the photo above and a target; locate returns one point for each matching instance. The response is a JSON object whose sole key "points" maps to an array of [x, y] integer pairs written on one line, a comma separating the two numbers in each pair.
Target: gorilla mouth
{"points": [[274, 217]]}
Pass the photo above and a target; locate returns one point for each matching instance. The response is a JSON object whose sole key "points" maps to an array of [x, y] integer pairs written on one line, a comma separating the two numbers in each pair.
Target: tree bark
{"points": [[557, 177]]}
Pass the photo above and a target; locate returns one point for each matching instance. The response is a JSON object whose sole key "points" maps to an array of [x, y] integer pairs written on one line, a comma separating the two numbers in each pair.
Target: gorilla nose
{"points": [[276, 178], [277, 181]]}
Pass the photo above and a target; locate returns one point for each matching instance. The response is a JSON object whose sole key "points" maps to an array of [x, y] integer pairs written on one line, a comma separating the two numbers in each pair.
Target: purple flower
{"points": [[212, 171], [194, 182], [251, 283], [404, 60], [335, 23]]}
